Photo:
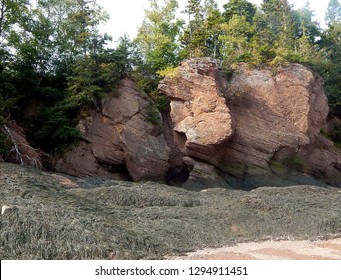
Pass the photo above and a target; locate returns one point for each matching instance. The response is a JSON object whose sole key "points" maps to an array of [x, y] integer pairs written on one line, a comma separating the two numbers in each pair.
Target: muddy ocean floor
{"points": [[52, 216]]}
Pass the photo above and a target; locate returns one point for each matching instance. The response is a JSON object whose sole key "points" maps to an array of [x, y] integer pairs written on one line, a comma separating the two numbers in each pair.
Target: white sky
{"points": [[127, 15]]}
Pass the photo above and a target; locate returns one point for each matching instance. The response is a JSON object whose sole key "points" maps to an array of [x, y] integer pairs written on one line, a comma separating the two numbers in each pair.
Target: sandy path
{"points": [[271, 250]]}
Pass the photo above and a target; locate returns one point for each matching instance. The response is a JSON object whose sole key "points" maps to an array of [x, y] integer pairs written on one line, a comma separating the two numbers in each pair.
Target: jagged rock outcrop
{"points": [[118, 142], [259, 119]]}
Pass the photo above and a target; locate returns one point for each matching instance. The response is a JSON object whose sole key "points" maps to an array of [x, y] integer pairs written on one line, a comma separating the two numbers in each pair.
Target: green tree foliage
{"points": [[212, 29], [12, 15], [98, 74], [52, 54], [306, 32], [12, 12], [305, 25], [157, 36], [55, 129], [157, 43], [194, 36], [235, 39], [275, 30], [92, 77], [200, 37], [240, 8], [333, 13], [331, 69], [57, 58]]}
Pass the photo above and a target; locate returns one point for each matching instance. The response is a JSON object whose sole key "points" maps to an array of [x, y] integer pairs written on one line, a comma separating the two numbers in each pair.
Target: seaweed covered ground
{"points": [[58, 217]]}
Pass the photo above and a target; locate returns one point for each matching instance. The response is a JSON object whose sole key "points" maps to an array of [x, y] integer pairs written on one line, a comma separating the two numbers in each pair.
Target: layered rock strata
{"points": [[260, 122]]}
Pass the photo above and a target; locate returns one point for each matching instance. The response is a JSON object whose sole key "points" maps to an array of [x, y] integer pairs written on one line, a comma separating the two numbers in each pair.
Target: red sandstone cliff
{"points": [[118, 142], [261, 123], [258, 120]]}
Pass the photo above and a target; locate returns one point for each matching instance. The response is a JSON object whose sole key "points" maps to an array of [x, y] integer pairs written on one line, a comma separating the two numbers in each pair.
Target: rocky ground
{"points": [[51, 216]]}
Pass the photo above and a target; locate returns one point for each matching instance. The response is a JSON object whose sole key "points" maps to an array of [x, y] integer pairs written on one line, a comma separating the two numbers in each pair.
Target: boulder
{"points": [[118, 142]]}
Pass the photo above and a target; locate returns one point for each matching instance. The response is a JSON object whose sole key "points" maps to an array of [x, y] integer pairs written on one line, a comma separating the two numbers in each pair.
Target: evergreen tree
{"points": [[200, 37], [304, 24], [275, 28], [235, 44], [158, 34], [212, 29], [333, 13], [98, 74], [241, 8], [307, 33], [194, 36], [331, 70]]}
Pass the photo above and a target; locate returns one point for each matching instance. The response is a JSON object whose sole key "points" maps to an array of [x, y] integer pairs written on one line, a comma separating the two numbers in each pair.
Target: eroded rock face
{"points": [[259, 117], [276, 113], [118, 142], [203, 176], [201, 118], [255, 128]]}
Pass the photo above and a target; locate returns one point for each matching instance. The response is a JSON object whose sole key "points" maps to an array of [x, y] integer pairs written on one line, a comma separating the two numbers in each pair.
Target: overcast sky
{"points": [[127, 15]]}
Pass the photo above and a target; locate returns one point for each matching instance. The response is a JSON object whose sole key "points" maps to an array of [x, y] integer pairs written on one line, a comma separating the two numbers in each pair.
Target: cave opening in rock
{"points": [[178, 175], [122, 170]]}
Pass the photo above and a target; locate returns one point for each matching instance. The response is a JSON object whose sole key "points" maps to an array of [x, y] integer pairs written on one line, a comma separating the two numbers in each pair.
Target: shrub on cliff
{"points": [[57, 127]]}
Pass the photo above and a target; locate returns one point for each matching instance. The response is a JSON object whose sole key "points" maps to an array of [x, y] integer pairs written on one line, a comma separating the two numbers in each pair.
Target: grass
{"points": [[125, 220]]}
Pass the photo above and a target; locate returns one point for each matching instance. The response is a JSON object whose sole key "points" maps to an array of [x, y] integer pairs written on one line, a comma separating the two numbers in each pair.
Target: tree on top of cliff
{"points": [[275, 28], [157, 42], [55, 57], [241, 8], [331, 70], [52, 53], [157, 36], [333, 13], [235, 39], [200, 37]]}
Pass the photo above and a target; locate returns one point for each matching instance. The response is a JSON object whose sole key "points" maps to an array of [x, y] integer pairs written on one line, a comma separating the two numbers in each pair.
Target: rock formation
{"points": [[260, 122], [202, 121], [118, 142], [256, 127], [275, 112]]}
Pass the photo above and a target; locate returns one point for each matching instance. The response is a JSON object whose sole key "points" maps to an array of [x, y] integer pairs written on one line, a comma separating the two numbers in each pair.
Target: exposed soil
{"points": [[53, 216]]}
